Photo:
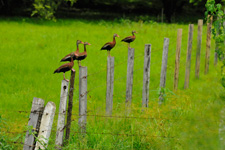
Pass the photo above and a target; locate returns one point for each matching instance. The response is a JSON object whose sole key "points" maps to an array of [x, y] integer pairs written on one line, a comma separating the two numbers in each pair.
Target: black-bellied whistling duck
{"points": [[74, 54], [83, 55], [129, 38], [65, 67], [108, 46]]}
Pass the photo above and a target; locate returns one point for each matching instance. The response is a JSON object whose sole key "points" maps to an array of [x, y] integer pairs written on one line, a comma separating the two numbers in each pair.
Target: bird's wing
{"points": [[127, 38], [106, 44]]}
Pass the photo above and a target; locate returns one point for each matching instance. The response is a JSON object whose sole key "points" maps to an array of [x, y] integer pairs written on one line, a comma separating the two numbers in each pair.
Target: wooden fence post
{"points": [[198, 50], [163, 69], [110, 82], [70, 105], [62, 114], [208, 45], [216, 47], [82, 98], [146, 76], [188, 60], [46, 126], [130, 69], [222, 129], [177, 61], [34, 122]]}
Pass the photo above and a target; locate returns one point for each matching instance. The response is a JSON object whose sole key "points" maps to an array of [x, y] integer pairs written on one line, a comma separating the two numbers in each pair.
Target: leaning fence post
{"points": [[130, 69], [198, 50], [188, 59], [163, 69], [177, 61], [46, 126], [208, 44], [34, 122], [222, 129], [146, 76], [70, 105], [82, 98], [62, 114], [110, 81]]}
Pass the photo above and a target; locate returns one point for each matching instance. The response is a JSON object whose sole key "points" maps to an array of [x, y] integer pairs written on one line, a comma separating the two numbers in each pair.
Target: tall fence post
{"points": [[222, 129], [163, 70], [146, 76], [208, 45], [216, 47], [62, 114], [198, 50], [46, 126], [188, 60], [130, 69], [70, 105], [177, 61], [82, 99], [110, 82], [34, 122]]}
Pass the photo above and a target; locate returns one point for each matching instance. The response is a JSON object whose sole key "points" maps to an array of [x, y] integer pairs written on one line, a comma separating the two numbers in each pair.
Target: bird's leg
{"points": [[129, 45], [108, 53], [79, 63], [72, 70], [64, 77]]}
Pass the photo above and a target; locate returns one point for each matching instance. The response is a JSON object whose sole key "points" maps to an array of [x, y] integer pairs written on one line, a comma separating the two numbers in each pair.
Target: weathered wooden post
{"points": [[198, 50], [146, 76], [110, 82], [130, 68], [163, 70], [208, 44], [70, 105], [188, 60], [177, 61], [62, 114], [46, 126], [82, 99], [222, 129], [34, 122], [216, 47]]}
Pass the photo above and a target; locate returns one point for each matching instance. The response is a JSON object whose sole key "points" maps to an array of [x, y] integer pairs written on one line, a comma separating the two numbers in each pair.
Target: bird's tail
{"points": [[56, 71]]}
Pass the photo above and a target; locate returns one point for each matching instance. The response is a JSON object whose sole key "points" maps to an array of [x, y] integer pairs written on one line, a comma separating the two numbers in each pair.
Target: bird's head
{"points": [[80, 42], [134, 32], [86, 43], [115, 35]]}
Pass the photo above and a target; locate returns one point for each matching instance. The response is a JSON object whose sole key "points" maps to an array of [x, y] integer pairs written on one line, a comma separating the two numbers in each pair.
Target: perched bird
{"points": [[129, 38], [65, 67], [83, 55], [73, 54], [108, 46]]}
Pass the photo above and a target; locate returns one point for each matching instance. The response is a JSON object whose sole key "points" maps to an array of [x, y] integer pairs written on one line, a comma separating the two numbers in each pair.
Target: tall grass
{"points": [[31, 51]]}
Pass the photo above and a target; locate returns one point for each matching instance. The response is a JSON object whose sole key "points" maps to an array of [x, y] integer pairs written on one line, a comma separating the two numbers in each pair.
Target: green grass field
{"points": [[31, 50]]}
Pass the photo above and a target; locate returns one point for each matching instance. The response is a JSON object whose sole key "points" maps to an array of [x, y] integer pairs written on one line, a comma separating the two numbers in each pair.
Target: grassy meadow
{"points": [[32, 49]]}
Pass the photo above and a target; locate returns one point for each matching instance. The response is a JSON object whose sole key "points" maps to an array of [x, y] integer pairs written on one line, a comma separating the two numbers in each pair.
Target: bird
{"points": [[129, 39], [73, 54], [83, 55], [108, 46], [65, 67]]}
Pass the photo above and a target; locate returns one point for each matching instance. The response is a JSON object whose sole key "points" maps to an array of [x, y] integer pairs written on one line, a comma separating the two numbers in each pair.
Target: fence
{"points": [[41, 119]]}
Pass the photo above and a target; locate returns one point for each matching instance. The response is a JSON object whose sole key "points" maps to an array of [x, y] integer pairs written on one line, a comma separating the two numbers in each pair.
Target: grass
{"points": [[31, 50]]}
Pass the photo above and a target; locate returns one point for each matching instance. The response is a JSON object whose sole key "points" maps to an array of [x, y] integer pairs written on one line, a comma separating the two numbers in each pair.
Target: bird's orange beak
{"points": [[89, 44], [118, 36], [82, 42]]}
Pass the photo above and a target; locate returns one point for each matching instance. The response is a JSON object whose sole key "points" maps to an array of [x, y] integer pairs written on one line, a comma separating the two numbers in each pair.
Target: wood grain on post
{"points": [[208, 44], [70, 105], [110, 82], [163, 69], [82, 98], [146, 76], [34, 122], [62, 114], [188, 60], [177, 61], [46, 126], [198, 50], [130, 69]]}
